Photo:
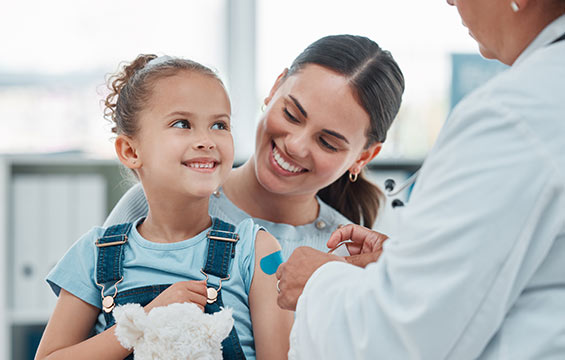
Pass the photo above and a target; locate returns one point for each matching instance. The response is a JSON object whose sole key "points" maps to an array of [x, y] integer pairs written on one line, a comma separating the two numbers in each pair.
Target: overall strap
{"points": [[111, 253], [221, 250]]}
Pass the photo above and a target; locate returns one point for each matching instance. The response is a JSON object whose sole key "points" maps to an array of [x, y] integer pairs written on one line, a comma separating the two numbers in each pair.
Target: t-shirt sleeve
{"points": [[76, 270], [247, 231]]}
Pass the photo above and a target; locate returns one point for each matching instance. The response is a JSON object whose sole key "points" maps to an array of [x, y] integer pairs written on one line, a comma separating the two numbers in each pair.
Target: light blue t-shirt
{"points": [[315, 234], [150, 263]]}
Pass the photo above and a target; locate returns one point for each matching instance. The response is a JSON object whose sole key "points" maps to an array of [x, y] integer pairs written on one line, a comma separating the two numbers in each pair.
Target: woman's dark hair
{"points": [[131, 87], [378, 84]]}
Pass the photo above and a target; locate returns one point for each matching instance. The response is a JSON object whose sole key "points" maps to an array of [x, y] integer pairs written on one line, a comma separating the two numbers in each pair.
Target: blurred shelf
{"points": [[402, 164], [29, 317]]}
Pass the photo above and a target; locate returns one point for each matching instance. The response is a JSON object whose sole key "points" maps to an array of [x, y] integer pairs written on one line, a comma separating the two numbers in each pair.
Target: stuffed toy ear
{"points": [[223, 323], [131, 322]]}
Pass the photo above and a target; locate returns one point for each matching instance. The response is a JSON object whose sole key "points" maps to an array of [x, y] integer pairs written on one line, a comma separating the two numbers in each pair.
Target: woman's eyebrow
{"points": [[297, 103], [335, 134]]}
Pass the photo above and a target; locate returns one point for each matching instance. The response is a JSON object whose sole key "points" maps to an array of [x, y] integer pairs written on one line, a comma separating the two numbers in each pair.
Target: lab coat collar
{"points": [[551, 32]]}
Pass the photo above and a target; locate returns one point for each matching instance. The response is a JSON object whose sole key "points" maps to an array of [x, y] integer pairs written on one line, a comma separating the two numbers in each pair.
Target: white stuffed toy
{"points": [[173, 332]]}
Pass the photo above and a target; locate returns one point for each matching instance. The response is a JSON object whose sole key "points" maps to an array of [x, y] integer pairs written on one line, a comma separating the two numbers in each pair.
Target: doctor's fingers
{"points": [[364, 240], [288, 296]]}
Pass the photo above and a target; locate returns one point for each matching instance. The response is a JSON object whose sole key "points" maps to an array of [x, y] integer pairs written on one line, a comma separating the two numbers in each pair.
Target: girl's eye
{"points": [[181, 124], [327, 145], [220, 125], [289, 116]]}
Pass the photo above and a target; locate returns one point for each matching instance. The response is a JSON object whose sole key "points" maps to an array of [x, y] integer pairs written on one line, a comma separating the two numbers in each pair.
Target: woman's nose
{"points": [[297, 145]]}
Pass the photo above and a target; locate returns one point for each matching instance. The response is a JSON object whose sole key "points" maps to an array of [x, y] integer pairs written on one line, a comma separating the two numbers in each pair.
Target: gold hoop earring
{"points": [[515, 7], [353, 177]]}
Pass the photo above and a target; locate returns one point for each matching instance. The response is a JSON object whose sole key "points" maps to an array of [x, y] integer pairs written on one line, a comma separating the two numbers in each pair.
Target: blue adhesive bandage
{"points": [[270, 263]]}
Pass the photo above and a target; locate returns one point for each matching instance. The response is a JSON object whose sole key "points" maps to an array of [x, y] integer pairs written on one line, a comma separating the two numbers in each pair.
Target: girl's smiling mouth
{"points": [[203, 165]]}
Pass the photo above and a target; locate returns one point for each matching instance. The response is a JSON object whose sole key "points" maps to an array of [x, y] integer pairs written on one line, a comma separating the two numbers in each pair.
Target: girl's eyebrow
{"points": [[180, 113], [189, 114], [298, 105]]}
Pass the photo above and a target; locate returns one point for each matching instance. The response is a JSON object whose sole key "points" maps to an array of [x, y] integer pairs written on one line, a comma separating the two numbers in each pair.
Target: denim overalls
{"points": [[109, 272]]}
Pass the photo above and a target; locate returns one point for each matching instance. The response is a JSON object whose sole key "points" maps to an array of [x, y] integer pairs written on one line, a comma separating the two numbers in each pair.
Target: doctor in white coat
{"points": [[476, 269]]}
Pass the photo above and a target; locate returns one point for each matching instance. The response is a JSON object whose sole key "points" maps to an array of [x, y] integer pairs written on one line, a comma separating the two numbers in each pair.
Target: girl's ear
{"points": [[366, 156], [278, 82], [125, 149]]}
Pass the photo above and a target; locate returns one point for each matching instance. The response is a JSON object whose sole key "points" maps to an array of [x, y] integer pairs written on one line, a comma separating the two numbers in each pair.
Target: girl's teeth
{"points": [[201, 166], [283, 163]]}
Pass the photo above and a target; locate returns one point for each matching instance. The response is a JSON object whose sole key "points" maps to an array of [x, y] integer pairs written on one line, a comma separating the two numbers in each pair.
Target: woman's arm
{"points": [[66, 334], [271, 325]]}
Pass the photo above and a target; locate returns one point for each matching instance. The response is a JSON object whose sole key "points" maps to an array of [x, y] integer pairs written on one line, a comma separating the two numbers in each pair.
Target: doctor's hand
{"points": [[293, 274], [365, 241]]}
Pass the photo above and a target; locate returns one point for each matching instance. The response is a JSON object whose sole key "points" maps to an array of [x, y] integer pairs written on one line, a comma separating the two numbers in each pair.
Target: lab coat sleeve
{"points": [[474, 231]]}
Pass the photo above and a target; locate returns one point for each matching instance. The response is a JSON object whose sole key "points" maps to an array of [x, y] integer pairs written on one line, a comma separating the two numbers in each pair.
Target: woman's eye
{"points": [[220, 125], [289, 116], [181, 124], [327, 145]]}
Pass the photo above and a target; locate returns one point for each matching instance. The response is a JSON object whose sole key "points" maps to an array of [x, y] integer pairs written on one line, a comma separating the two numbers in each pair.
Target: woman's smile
{"points": [[283, 165]]}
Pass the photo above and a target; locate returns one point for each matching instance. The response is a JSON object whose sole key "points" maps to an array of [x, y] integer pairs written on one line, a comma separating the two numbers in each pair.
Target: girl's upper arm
{"points": [[66, 334], [71, 322], [271, 325]]}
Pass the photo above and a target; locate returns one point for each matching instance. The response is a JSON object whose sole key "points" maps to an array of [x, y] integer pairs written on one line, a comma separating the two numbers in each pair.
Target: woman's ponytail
{"points": [[359, 200]]}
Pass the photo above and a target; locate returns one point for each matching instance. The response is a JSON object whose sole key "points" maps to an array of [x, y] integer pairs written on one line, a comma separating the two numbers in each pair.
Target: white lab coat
{"points": [[477, 266]]}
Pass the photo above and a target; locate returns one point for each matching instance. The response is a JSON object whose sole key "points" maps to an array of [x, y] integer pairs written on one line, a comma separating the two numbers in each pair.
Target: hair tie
{"points": [[157, 61]]}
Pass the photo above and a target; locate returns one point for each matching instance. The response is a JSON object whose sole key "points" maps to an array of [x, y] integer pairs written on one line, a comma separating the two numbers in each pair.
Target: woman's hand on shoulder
{"points": [[180, 292]]}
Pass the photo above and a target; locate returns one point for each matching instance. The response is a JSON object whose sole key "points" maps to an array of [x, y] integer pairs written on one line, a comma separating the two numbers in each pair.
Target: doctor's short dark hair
{"points": [[378, 84]]}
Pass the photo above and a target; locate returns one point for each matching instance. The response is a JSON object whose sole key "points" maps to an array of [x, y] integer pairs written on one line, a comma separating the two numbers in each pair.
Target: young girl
{"points": [[172, 120]]}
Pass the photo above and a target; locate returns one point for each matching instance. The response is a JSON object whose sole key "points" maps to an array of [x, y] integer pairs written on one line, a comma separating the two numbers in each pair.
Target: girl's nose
{"points": [[204, 142], [451, 2]]}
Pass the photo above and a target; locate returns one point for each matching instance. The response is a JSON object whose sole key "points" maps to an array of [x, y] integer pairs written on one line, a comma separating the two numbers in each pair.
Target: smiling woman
{"points": [[325, 118]]}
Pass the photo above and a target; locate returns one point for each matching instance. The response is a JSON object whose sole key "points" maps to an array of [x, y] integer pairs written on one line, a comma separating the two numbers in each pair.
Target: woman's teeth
{"points": [[283, 164]]}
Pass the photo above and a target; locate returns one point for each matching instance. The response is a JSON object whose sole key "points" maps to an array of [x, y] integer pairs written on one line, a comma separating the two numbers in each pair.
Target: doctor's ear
{"points": [[126, 151], [278, 82]]}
